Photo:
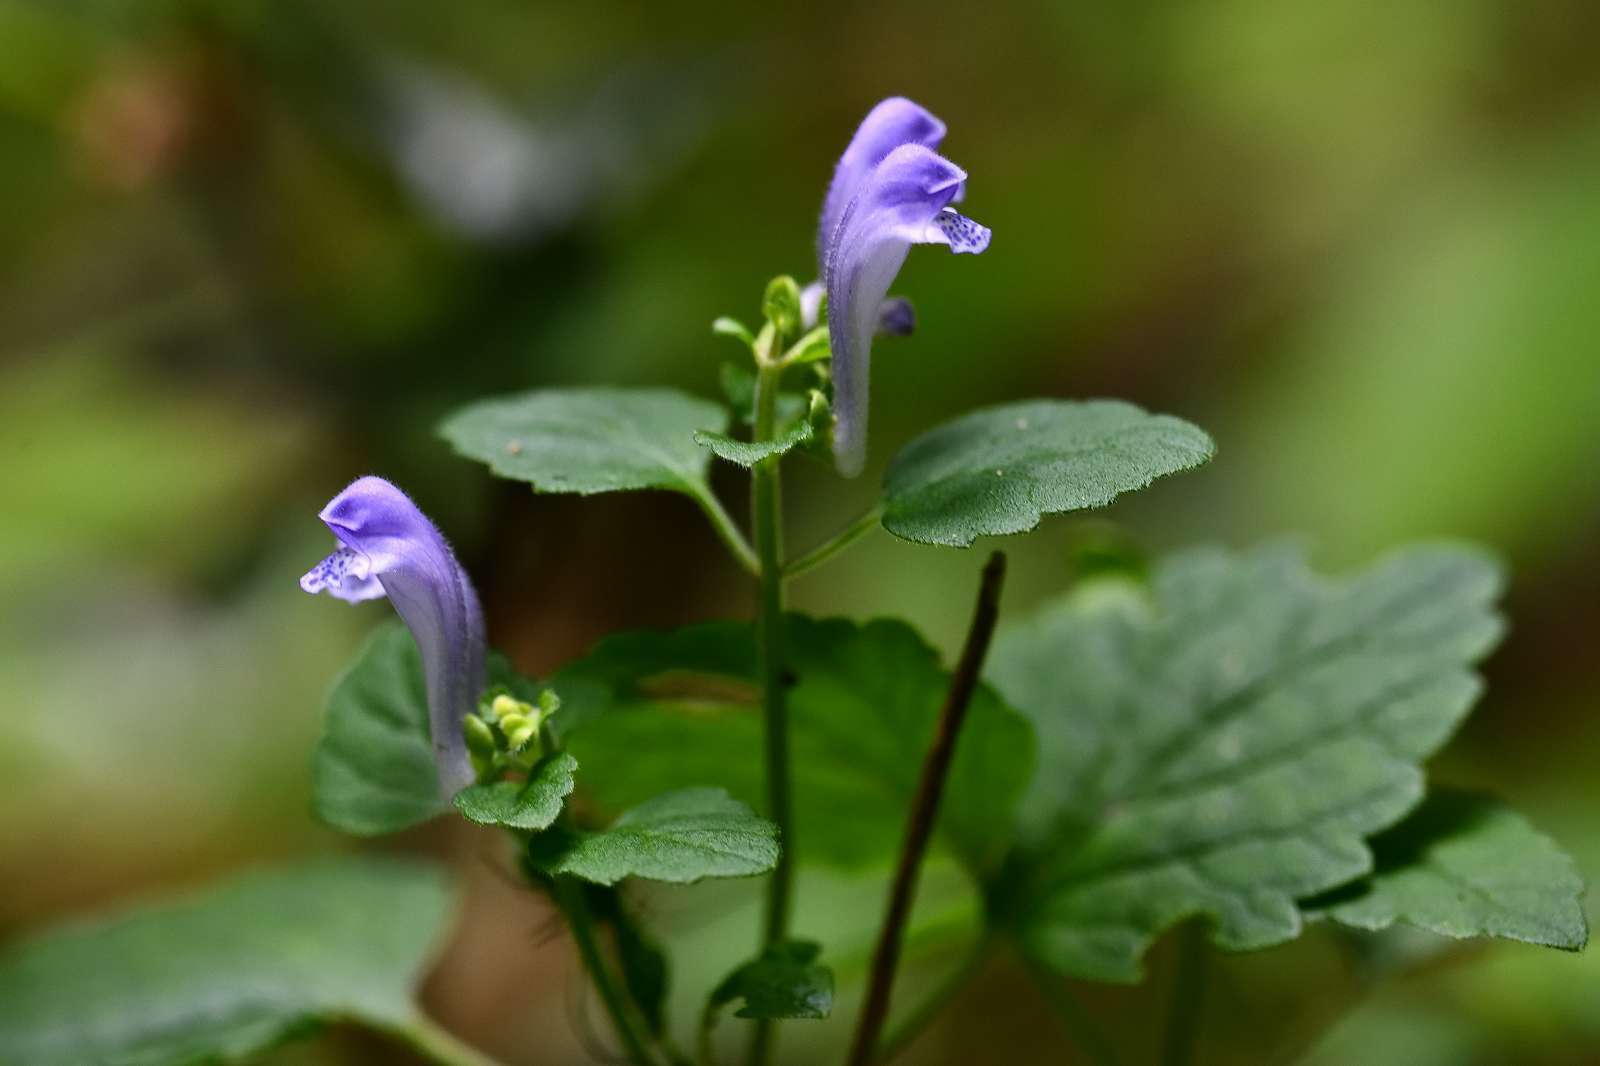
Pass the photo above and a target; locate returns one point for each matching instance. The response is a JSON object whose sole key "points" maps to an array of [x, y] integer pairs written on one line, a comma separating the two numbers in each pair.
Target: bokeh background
{"points": [[252, 248]]}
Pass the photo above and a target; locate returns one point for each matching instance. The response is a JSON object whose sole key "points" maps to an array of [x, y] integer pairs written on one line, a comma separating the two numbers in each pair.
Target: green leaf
{"points": [[374, 771], [679, 837], [813, 346], [1465, 865], [785, 982], [589, 440], [651, 711], [732, 327], [531, 804], [748, 453], [1223, 747], [228, 973], [999, 470]]}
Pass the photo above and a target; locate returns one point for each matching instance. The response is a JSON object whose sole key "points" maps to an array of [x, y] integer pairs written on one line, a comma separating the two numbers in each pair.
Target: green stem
{"points": [[568, 894], [1085, 1035], [766, 508], [900, 1034], [728, 532], [835, 544], [1188, 996], [438, 1045]]}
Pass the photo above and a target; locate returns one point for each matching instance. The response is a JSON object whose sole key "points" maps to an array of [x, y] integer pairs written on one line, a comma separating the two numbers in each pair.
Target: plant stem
{"points": [[568, 894], [728, 532], [1086, 1037], [899, 1035], [835, 544], [766, 507], [925, 811], [436, 1044], [1188, 996]]}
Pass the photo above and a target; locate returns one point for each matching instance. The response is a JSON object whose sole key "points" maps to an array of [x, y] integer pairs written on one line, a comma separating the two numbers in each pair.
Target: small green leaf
{"points": [[588, 440], [1465, 865], [1223, 747], [785, 982], [531, 804], [748, 453], [374, 771], [679, 837], [732, 327], [813, 346], [999, 470], [781, 305], [651, 711], [225, 974]]}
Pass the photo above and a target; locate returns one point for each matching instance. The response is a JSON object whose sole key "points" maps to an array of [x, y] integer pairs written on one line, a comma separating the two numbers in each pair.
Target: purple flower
{"points": [[389, 548], [891, 190]]}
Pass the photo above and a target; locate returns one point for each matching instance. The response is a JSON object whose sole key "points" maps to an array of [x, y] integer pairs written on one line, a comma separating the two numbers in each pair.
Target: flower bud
{"points": [[781, 305], [519, 737], [480, 738], [504, 705]]}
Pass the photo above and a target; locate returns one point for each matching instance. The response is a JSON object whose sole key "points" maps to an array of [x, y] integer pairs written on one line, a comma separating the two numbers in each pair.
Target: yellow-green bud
{"points": [[504, 705], [518, 738], [480, 738], [781, 305], [510, 723]]}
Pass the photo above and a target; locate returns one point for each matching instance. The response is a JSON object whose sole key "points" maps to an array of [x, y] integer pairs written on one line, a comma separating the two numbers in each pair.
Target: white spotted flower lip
{"points": [[389, 548], [902, 200]]}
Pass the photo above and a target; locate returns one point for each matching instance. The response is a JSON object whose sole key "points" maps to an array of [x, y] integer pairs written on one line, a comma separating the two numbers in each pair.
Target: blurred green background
{"points": [[253, 248]]}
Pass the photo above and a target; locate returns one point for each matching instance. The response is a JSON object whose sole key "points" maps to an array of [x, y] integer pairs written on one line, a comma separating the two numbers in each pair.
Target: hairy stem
{"points": [[436, 1044], [835, 544], [766, 506], [925, 811], [568, 894], [727, 532], [1188, 996]]}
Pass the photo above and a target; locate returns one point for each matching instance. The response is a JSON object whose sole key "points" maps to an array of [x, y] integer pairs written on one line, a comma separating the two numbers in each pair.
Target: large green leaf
{"points": [[1224, 747], [374, 771], [1000, 469], [589, 440], [224, 974], [651, 711], [1466, 865], [680, 837]]}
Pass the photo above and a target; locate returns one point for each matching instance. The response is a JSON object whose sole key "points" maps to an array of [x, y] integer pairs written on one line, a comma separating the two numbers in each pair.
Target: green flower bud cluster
{"points": [[507, 733]]}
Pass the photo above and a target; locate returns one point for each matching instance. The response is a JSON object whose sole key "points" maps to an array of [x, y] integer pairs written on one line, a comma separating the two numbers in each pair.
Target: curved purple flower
{"points": [[389, 548], [893, 122], [902, 201]]}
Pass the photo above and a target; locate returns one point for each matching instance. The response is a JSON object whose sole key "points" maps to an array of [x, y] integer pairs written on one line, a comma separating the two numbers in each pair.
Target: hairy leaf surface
{"points": [[682, 836], [224, 974], [1224, 747], [1465, 865], [589, 440], [1000, 469]]}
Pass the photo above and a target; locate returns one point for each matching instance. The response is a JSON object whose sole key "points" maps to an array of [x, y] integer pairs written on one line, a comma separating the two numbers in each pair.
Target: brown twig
{"points": [[925, 811]]}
